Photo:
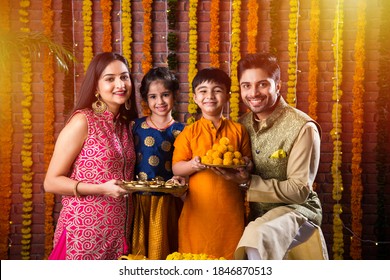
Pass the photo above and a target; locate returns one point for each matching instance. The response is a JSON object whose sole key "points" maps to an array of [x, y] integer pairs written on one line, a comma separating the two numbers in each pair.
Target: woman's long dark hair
{"points": [[90, 83]]}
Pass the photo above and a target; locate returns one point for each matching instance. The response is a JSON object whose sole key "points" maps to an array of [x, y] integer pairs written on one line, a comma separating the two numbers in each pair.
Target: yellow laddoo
{"points": [[217, 161], [224, 141]]}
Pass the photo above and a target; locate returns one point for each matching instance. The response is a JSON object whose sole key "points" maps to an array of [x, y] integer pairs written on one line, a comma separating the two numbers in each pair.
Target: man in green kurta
{"points": [[284, 209]]}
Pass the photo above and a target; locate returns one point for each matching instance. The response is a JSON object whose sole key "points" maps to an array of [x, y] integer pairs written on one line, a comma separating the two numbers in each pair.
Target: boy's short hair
{"points": [[211, 74]]}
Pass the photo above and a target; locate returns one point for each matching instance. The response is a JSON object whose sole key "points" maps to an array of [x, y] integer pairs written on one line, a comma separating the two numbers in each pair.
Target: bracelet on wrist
{"points": [[75, 191]]}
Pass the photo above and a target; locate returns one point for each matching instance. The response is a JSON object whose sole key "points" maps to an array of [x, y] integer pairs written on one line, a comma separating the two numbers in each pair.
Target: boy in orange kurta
{"points": [[213, 215]]}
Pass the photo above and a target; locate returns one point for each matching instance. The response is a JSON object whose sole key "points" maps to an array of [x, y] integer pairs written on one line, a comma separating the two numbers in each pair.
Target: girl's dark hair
{"points": [[264, 61], [162, 74], [90, 84], [211, 74]]}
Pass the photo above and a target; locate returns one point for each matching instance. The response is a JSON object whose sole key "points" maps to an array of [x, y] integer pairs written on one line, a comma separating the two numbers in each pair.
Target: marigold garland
{"points": [[382, 148], [338, 242], [126, 30], [193, 57], [252, 23], [88, 43], [275, 26], [48, 138], [147, 45], [106, 6], [6, 143], [26, 152], [357, 145], [292, 52], [313, 58], [189, 256], [214, 33], [236, 56]]}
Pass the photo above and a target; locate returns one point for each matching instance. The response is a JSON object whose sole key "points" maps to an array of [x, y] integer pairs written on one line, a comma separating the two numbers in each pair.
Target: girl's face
{"points": [[211, 97], [114, 85], [160, 99], [259, 92]]}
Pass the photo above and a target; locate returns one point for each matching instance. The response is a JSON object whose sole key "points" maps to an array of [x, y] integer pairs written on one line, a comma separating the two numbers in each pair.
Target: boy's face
{"points": [[211, 97]]}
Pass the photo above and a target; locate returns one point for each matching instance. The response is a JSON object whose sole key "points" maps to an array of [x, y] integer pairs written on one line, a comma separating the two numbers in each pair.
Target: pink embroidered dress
{"points": [[97, 226]]}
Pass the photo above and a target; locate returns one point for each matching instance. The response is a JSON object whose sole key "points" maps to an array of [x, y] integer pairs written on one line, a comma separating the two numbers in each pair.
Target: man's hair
{"points": [[265, 61], [211, 74]]}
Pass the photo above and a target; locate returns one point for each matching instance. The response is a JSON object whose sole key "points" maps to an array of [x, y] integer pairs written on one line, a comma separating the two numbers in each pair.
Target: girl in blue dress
{"points": [[156, 214]]}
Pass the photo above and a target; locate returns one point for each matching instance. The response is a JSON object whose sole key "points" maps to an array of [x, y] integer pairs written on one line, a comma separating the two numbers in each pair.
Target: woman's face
{"points": [[114, 85]]}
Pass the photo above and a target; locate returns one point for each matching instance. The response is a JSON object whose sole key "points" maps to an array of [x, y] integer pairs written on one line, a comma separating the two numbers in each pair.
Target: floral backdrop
{"points": [[335, 66]]}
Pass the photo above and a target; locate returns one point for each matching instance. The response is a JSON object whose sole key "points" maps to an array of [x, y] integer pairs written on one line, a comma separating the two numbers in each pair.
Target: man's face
{"points": [[259, 92]]}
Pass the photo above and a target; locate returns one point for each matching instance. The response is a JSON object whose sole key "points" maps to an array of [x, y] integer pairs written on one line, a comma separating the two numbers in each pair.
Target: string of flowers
{"points": [[87, 21], [313, 58], [357, 146], [106, 6], [193, 57], [6, 143], [48, 138], [214, 33], [189, 256], [147, 45], [26, 152], [252, 23], [236, 56], [382, 108], [275, 26], [172, 37], [126, 30], [292, 52], [338, 242]]}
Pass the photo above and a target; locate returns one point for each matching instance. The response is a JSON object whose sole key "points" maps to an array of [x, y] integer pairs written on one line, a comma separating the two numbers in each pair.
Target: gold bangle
{"points": [[75, 191]]}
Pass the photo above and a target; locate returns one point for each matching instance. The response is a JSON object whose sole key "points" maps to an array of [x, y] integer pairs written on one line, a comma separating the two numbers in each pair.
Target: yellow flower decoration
{"points": [[313, 58], [126, 30], [253, 20], [279, 154], [49, 115], [338, 243], [88, 43], [6, 141], [189, 256], [214, 33], [26, 153], [236, 56], [292, 52], [193, 57], [147, 46], [357, 145]]}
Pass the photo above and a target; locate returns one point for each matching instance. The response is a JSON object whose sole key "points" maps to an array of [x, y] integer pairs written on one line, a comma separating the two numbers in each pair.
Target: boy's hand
{"points": [[196, 164]]}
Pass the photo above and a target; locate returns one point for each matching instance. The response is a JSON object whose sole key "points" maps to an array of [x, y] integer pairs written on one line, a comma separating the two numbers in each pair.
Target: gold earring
{"points": [[128, 104], [99, 106]]}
